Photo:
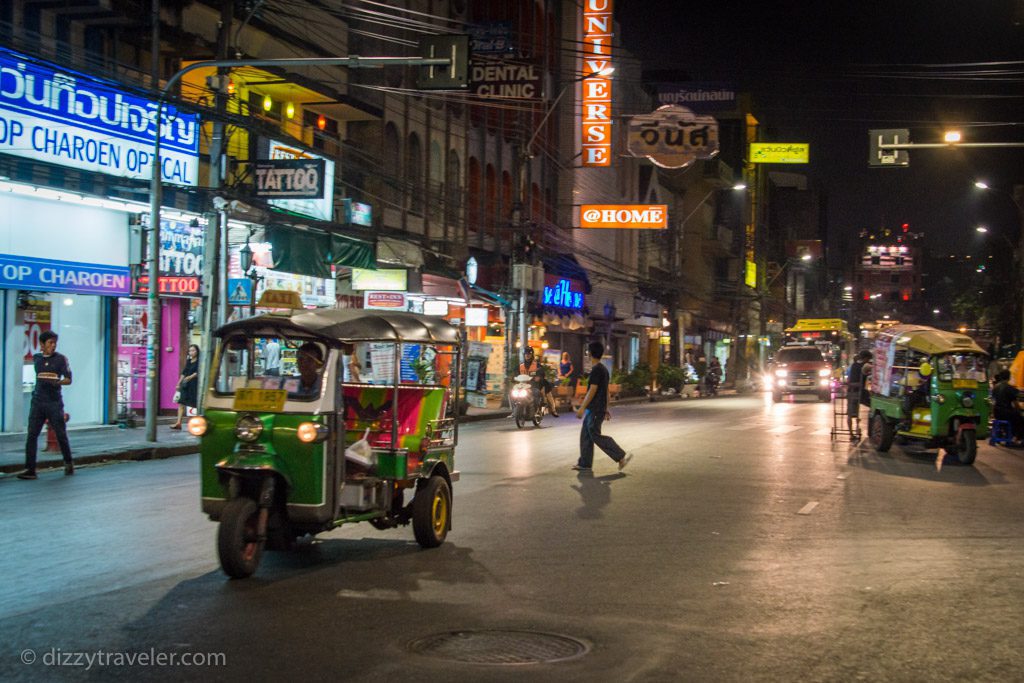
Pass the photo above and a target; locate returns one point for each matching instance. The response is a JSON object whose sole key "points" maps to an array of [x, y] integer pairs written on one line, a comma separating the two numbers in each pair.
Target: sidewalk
{"points": [[103, 443]]}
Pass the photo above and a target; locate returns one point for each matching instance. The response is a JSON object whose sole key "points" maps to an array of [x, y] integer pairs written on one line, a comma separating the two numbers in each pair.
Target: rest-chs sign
{"points": [[290, 178]]}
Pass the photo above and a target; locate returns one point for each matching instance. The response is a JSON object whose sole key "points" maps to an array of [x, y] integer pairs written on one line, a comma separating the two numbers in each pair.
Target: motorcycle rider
{"points": [[531, 367], [714, 376]]}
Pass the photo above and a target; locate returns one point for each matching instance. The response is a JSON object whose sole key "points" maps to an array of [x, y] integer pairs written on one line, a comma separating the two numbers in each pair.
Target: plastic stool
{"points": [[1001, 433]]}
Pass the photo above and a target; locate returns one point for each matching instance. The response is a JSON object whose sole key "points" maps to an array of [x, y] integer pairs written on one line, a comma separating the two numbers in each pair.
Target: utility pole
{"points": [[153, 339]]}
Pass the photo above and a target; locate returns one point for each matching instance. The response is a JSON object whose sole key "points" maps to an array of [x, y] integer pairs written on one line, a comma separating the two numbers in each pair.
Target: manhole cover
{"points": [[500, 647]]}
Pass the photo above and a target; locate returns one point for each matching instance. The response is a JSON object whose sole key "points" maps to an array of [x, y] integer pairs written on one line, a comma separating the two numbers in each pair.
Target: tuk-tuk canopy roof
{"points": [[929, 340], [819, 324], [350, 325]]}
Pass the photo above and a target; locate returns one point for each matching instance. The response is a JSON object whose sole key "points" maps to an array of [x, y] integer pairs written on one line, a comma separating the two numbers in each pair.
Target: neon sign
{"points": [[561, 294], [596, 130]]}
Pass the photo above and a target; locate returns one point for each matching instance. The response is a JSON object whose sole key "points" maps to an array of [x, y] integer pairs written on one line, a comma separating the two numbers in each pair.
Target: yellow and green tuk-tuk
{"points": [[931, 387], [298, 436]]}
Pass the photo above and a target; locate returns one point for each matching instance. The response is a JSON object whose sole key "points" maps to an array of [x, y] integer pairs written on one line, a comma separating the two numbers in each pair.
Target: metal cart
{"points": [[839, 415]]}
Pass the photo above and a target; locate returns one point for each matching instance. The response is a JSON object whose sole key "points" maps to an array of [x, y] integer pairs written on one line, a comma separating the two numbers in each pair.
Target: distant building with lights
{"points": [[887, 276]]}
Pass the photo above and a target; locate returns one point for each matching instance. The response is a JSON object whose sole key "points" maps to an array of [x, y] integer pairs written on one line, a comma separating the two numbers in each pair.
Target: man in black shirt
{"points": [[1007, 398], [855, 387], [593, 411], [52, 372]]}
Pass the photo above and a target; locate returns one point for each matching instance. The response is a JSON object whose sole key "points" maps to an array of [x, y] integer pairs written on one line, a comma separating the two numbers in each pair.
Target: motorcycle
{"points": [[711, 381], [526, 403]]}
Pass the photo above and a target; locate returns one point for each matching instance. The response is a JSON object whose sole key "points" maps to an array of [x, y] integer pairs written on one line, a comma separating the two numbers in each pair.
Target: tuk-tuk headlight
{"points": [[940, 398], [248, 428], [197, 426], [311, 432], [967, 401]]}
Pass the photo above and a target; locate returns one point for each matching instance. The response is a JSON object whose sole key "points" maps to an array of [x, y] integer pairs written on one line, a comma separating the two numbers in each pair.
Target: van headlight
{"points": [[824, 372], [311, 432], [197, 426], [780, 373], [248, 428]]}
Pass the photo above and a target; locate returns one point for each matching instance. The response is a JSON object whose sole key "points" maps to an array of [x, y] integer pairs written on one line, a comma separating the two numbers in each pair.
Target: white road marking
{"points": [[784, 429], [806, 509], [822, 432], [844, 475]]}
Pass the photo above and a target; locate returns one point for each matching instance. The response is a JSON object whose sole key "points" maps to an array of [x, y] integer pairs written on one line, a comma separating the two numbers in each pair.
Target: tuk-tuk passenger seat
{"points": [[371, 407]]}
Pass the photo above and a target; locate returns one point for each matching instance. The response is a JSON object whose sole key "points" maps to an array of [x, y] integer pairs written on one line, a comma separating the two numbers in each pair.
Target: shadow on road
{"points": [[919, 464], [596, 493]]}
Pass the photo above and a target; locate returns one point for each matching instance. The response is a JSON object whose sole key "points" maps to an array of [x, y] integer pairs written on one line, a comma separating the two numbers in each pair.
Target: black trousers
{"points": [[40, 412]]}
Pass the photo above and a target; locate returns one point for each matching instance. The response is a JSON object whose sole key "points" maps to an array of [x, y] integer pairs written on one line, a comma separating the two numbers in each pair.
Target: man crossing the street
{"points": [[593, 411]]}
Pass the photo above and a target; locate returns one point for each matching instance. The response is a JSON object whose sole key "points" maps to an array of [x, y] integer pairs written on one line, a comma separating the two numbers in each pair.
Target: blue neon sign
{"points": [[561, 294]]}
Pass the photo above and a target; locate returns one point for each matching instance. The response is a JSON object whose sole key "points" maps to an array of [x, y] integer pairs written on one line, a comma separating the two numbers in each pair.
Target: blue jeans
{"points": [[590, 435]]}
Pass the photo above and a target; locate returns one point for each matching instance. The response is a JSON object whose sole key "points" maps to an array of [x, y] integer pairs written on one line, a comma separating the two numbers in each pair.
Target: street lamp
{"points": [[1017, 250], [245, 255]]}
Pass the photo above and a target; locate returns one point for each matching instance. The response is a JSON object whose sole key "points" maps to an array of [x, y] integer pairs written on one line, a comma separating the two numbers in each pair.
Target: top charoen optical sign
{"points": [[596, 124], [629, 216]]}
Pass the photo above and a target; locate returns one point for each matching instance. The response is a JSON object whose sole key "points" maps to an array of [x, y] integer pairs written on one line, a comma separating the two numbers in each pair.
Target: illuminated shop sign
{"points": [[322, 208], [780, 152], [563, 293], [596, 128], [634, 216], [384, 279], [49, 275], [64, 117], [181, 260], [290, 178]]}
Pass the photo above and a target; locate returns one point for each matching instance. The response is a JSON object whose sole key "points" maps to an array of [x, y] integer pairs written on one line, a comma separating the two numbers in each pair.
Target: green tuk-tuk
{"points": [[928, 386], [316, 419]]}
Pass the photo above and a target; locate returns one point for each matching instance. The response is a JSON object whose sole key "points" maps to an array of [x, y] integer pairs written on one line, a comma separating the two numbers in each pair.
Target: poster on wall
{"points": [[37, 320]]}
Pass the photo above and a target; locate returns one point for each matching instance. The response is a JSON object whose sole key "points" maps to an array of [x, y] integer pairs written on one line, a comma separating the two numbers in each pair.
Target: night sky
{"points": [[825, 72]]}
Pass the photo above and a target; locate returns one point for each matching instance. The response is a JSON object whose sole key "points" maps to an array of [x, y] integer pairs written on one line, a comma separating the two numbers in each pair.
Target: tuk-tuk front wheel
{"points": [[238, 544], [431, 512], [881, 433], [965, 448]]}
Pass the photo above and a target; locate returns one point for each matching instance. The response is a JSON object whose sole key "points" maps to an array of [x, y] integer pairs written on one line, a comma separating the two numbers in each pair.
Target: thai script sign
{"points": [[493, 37], [23, 272], [635, 216], [291, 178], [63, 117], [705, 98], [181, 260], [779, 152], [563, 293], [673, 136], [321, 208], [596, 128]]}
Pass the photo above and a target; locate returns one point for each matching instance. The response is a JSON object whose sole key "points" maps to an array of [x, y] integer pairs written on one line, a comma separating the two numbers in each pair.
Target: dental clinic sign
{"points": [[63, 117]]}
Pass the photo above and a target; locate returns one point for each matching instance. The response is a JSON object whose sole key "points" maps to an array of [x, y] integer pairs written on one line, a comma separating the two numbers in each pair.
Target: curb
{"points": [[138, 454]]}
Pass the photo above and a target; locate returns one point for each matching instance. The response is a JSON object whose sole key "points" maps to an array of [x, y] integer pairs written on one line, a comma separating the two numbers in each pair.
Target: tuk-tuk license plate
{"points": [[260, 400], [965, 384]]}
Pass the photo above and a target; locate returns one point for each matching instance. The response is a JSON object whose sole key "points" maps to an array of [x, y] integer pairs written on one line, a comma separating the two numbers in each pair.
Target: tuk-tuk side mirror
{"points": [[925, 369]]}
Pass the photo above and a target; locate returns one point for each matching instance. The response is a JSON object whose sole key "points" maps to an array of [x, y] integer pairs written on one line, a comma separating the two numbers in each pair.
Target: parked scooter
{"points": [[527, 405]]}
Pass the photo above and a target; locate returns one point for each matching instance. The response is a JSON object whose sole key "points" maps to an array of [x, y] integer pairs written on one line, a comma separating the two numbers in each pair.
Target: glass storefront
{"points": [[80, 322]]}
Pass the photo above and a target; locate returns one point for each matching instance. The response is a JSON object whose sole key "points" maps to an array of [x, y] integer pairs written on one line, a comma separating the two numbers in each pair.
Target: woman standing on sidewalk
{"points": [[188, 384]]}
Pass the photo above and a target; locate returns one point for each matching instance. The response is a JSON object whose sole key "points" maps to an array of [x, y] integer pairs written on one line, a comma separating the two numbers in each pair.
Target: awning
{"points": [[399, 252], [566, 265], [312, 252]]}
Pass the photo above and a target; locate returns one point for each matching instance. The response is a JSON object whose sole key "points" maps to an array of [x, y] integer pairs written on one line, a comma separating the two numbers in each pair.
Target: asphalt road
{"points": [[740, 544]]}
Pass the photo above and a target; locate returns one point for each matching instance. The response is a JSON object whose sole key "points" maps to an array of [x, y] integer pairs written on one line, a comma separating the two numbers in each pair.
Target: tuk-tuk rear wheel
{"points": [[966, 448], [238, 544], [881, 433], [431, 512]]}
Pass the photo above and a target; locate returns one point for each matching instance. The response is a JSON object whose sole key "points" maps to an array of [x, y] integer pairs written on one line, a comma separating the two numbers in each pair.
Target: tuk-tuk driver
{"points": [[310, 360]]}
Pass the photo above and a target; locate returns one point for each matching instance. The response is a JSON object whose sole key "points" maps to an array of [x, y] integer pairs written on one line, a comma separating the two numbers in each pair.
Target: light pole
{"points": [[249, 268]]}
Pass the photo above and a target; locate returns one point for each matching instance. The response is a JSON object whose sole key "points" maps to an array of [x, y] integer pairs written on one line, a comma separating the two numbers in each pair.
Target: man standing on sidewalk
{"points": [[593, 411], [52, 372]]}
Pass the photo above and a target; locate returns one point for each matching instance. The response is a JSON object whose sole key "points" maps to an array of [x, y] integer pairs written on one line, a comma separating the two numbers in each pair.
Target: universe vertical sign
{"points": [[596, 124]]}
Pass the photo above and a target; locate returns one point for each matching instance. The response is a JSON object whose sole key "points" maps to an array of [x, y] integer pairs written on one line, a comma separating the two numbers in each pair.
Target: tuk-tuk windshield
{"points": [[954, 366], [273, 362]]}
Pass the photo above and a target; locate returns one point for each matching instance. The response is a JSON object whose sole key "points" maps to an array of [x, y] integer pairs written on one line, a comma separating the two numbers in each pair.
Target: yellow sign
{"points": [[280, 298], [965, 384], [383, 279], [779, 152], [260, 400], [750, 277]]}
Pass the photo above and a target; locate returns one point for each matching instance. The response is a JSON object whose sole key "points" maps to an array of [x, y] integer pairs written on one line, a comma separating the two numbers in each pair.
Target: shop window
{"points": [[414, 173], [392, 165]]}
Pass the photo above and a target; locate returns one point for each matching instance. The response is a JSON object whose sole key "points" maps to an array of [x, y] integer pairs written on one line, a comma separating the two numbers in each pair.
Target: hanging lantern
{"points": [[267, 103], [231, 88], [289, 110], [321, 122]]}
